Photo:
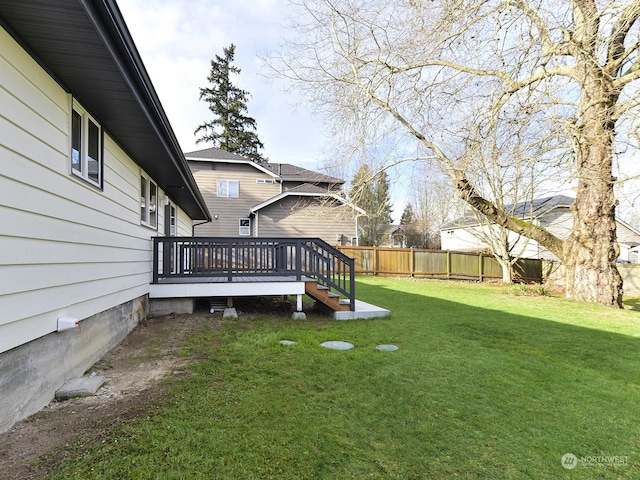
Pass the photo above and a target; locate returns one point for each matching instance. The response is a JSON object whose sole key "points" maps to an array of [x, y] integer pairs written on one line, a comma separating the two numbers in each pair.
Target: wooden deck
{"points": [[186, 267]]}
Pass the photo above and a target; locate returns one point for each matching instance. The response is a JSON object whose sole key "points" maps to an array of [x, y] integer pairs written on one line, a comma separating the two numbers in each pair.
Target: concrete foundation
{"points": [[30, 374], [167, 306], [230, 313]]}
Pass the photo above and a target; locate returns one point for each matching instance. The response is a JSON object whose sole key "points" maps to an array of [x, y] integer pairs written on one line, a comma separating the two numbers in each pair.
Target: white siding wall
{"points": [[558, 221], [66, 248], [471, 239]]}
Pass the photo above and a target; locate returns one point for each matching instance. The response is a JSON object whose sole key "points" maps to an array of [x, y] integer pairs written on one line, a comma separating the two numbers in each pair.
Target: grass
{"points": [[486, 384]]}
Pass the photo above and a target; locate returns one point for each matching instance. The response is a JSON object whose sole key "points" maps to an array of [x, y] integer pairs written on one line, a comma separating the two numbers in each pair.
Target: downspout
{"points": [[358, 227], [193, 227]]}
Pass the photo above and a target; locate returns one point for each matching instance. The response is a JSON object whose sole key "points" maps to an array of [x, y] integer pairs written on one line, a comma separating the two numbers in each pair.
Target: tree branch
{"points": [[468, 193], [616, 50]]}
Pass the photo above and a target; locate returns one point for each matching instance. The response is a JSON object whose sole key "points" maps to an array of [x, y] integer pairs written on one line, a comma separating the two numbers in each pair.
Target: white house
{"points": [[552, 213], [90, 171]]}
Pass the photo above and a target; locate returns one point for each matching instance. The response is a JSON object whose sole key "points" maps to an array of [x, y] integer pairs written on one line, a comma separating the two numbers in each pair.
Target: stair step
{"points": [[323, 294]]}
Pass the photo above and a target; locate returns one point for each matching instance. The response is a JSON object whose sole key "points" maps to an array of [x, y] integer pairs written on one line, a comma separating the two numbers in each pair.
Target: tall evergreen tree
{"points": [[231, 129], [408, 223], [371, 193], [407, 215]]}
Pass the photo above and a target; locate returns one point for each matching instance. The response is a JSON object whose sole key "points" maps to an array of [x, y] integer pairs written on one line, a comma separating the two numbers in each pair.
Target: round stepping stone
{"points": [[287, 342], [337, 345], [387, 348]]}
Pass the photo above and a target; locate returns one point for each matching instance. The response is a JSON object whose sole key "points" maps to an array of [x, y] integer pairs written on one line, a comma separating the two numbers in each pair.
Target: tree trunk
{"points": [[506, 270], [591, 251]]}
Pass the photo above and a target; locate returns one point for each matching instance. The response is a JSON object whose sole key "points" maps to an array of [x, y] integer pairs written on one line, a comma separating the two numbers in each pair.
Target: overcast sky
{"points": [[177, 40]]}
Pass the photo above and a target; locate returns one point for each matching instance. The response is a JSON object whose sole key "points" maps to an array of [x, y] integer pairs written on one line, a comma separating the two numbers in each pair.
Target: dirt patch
{"points": [[133, 371]]}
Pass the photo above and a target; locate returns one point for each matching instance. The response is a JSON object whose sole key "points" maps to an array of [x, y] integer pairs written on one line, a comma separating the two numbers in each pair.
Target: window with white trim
{"points": [[173, 226], [86, 146], [228, 188], [148, 202], [245, 226]]}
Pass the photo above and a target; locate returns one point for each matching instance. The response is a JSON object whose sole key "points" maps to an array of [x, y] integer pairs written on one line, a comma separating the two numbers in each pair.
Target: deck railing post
{"points": [[155, 259], [352, 285], [298, 252], [229, 260]]}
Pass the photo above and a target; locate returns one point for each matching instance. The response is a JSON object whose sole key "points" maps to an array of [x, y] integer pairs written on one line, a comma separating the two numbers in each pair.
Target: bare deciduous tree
{"points": [[430, 70]]}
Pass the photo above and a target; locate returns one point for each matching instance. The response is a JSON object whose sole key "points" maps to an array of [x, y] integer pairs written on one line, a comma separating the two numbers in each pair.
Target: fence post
{"points": [[480, 267], [376, 260], [448, 264], [412, 262]]}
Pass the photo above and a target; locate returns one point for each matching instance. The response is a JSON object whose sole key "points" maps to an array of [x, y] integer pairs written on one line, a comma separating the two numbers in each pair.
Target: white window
{"points": [[245, 226], [173, 227], [148, 202], [86, 146], [228, 188]]}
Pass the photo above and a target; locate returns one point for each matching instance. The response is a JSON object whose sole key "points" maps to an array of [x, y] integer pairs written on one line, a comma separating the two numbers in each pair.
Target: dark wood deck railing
{"points": [[180, 258]]}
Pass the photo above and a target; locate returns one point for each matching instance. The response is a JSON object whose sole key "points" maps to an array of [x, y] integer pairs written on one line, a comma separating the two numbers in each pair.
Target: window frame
{"points": [[173, 220], [148, 201], [247, 227], [226, 189], [89, 144]]}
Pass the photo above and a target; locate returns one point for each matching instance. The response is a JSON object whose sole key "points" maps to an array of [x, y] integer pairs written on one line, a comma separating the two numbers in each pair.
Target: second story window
{"points": [[86, 146], [228, 188]]}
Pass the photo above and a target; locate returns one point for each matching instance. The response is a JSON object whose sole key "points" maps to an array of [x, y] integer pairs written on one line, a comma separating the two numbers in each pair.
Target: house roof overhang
{"points": [[283, 172], [293, 193], [237, 161], [87, 48]]}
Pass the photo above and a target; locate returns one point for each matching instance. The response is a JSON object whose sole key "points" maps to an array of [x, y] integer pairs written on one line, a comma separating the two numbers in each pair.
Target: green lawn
{"points": [[485, 385]]}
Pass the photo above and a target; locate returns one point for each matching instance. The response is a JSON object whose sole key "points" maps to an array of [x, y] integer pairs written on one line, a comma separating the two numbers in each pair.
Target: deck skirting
{"points": [[225, 289]]}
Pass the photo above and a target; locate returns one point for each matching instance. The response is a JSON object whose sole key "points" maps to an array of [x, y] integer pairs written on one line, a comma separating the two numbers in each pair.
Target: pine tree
{"points": [[409, 225], [407, 215], [231, 129], [382, 192], [371, 193]]}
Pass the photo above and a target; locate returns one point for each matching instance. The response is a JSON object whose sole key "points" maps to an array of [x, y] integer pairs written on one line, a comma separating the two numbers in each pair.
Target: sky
{"points": [[177, 39]]}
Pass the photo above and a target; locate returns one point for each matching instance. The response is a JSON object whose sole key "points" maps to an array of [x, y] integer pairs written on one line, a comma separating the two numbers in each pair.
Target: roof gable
{"points": [[282, 171], [302, 193]]}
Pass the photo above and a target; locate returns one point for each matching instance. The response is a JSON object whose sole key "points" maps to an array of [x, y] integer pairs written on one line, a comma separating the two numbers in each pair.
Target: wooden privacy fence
{"points": [[442, 264]]}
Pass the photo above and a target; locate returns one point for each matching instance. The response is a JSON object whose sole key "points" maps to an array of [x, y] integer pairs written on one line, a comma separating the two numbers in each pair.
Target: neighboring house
{"points": [[395, 236], [552, 213], [271, 199], [90, 171]]}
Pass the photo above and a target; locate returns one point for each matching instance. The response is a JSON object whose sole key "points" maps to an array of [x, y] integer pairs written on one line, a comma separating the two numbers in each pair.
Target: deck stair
{"points": [[324, 295]]}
